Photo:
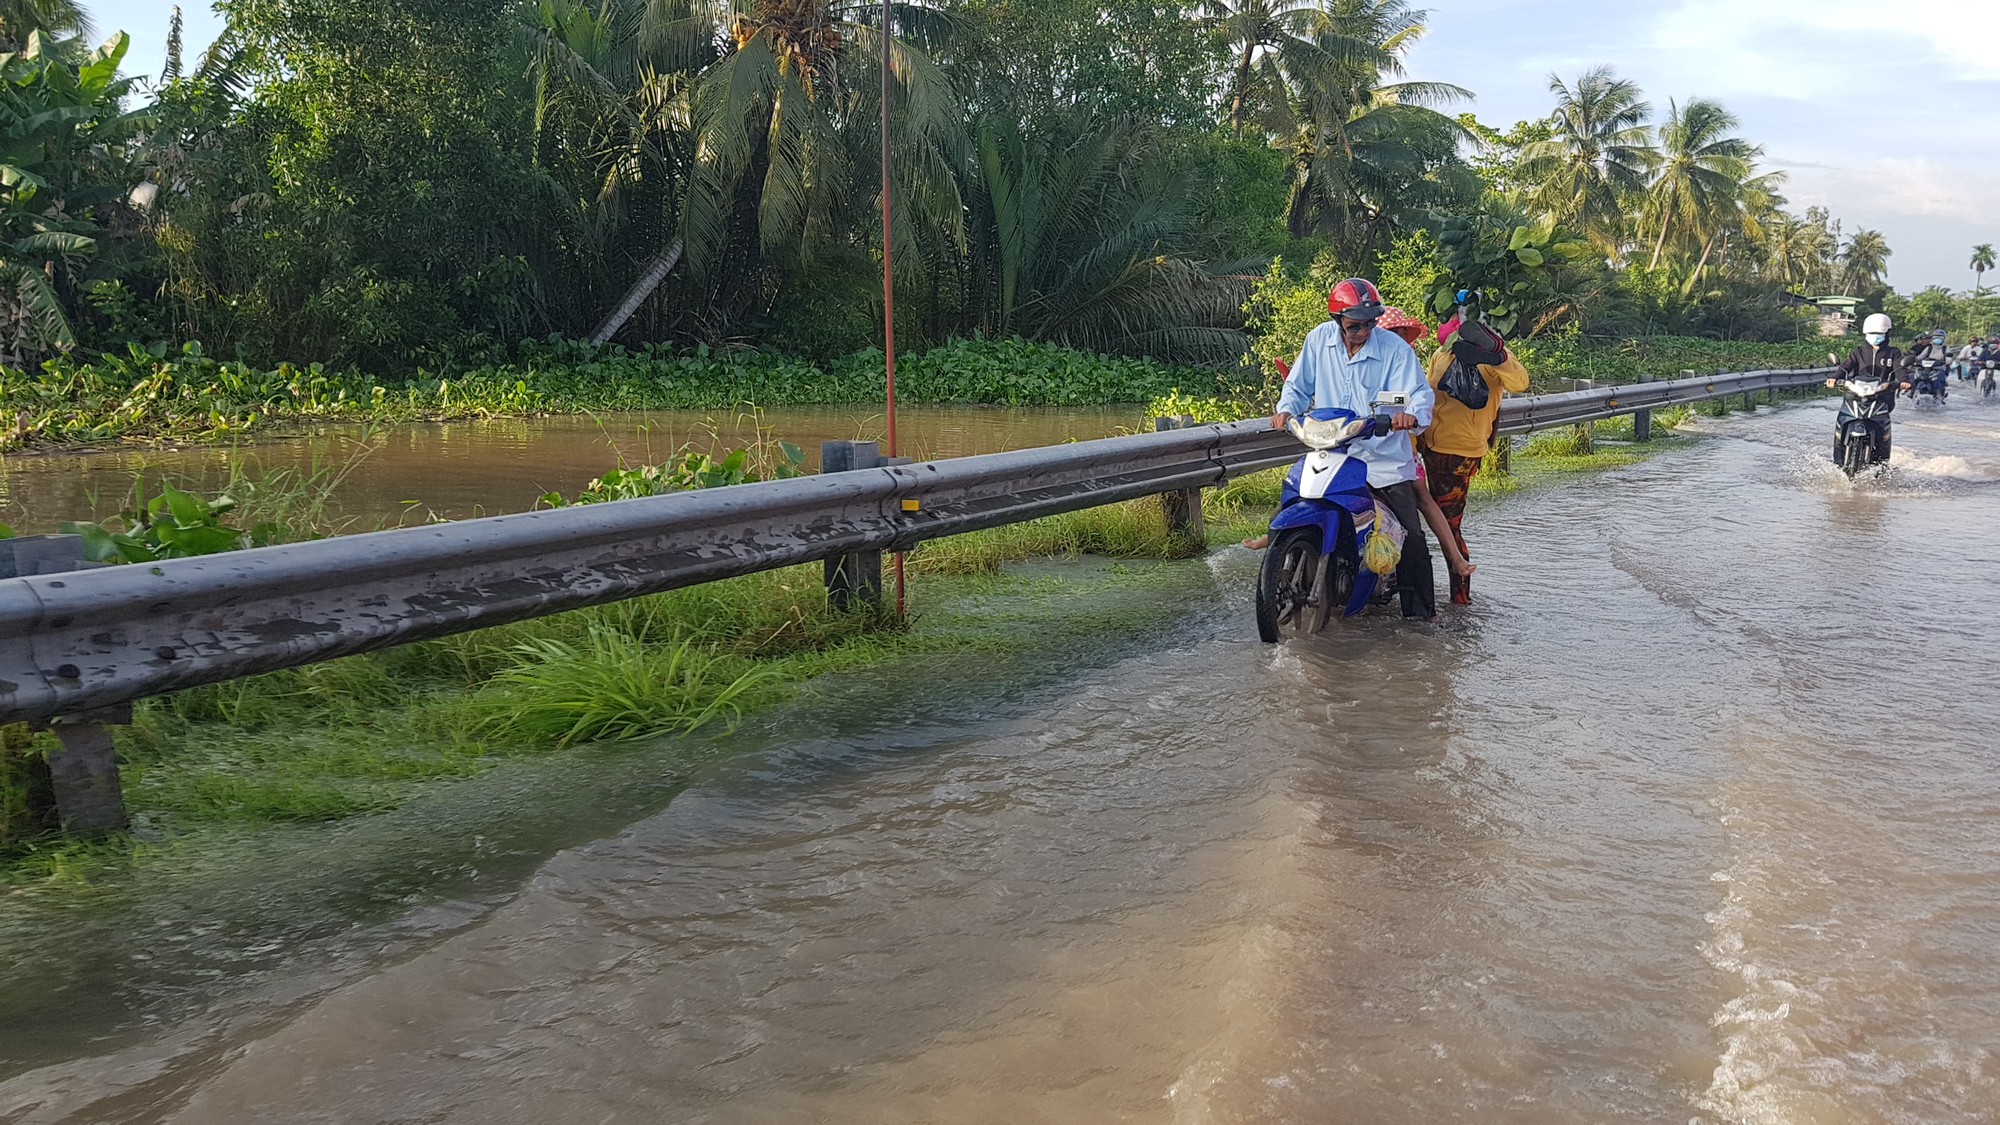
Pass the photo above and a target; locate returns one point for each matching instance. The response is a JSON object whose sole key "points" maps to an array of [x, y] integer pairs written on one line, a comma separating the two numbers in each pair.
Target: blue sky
{"points": [[1888, 113]]}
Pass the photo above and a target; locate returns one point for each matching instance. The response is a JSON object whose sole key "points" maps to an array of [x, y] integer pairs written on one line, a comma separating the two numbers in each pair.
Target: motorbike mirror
{"points": [[1832, 358]]}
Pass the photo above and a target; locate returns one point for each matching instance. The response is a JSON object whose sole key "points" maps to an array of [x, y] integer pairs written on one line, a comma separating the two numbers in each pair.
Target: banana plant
{"points": [[65, 151]]}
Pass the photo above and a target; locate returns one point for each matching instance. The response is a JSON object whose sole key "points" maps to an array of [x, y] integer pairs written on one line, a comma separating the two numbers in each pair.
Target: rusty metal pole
{"points": [[888, 281]]}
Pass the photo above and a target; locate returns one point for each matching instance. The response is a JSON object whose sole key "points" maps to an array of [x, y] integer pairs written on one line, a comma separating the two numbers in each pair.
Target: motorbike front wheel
{"points": [[1854, 451], [1286, 582]]}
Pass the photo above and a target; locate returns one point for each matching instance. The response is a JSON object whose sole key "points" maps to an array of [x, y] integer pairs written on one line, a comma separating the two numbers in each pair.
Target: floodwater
{"points": [[457, 470], [1693, 818]]}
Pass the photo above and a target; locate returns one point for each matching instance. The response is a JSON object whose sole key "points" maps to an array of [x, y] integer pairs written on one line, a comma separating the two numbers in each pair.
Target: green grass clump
{"points": [[614, 687]]}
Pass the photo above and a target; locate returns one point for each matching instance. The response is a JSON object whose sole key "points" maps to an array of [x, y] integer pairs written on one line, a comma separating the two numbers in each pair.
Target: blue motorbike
{"points": [[1326, 516]]}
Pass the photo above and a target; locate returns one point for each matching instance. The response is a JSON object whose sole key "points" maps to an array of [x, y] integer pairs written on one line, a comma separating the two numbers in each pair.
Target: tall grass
{"points": [[613, 687]]}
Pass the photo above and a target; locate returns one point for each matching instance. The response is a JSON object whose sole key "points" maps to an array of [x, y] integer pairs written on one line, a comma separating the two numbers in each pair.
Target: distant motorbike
{"points": [[1927, 377], [1989, 376], [1326, 516]]}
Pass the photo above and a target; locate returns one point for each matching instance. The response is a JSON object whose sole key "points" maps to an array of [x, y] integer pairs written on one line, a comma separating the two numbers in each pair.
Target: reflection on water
{"points": [[457, 470], [1694, 817]]}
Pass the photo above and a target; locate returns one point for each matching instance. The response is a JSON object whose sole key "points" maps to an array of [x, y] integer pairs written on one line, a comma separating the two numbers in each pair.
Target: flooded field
{"points": [[458, 470]]}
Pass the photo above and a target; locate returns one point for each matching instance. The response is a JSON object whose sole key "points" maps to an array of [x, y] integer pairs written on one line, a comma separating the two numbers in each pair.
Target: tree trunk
{"points": [[649, 279], [1661, 242], [1695, 277], [1242, 90]]}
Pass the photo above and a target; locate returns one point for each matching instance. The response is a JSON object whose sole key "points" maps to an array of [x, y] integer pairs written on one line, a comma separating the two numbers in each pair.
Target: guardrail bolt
{"points": [[855, 579], [1183, 506]]}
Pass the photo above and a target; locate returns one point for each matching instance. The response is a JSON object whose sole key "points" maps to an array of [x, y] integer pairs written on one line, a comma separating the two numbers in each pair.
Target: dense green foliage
{"points": [[418, 186]]}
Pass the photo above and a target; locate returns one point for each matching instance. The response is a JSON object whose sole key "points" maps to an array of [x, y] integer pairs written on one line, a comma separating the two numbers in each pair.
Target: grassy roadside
{"points": [[366, 734]]}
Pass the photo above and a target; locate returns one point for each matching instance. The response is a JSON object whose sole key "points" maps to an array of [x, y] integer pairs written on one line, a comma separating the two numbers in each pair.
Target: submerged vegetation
{"points": [[151, 393]]}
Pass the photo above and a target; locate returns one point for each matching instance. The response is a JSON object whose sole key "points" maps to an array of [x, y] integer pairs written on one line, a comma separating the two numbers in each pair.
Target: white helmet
{"points": [[1877, 322]]}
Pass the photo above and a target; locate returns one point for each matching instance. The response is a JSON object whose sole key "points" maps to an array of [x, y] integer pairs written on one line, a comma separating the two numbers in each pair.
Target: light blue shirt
{"points": [[1325, 377]]}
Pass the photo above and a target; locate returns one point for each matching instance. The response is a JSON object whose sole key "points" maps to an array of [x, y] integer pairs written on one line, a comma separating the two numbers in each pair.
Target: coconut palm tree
{"points": [[1865, 259], [1267, 37], [1068, 238], [1365, 149], [53, 19], [1703, 174], [609, 98], [1982, 260], [1602, 152], [782, 120], [1789, 256]]}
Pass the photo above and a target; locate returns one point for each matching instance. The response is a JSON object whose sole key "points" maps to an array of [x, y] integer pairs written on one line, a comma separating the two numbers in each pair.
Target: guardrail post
{"points": [[1183, 507], [1642, 420], [40, 554], [854, 579], [83, 769]]}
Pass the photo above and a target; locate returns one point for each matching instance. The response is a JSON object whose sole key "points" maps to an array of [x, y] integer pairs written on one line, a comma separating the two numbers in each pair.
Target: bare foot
{"points": [[1258, 543]]}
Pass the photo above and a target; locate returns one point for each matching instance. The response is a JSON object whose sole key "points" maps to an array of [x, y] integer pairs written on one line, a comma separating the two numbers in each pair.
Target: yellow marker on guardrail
{"points": [[913, 505]]}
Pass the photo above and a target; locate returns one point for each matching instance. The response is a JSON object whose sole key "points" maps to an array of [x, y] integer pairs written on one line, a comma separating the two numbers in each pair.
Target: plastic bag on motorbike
{"points": [[1385, 547]]}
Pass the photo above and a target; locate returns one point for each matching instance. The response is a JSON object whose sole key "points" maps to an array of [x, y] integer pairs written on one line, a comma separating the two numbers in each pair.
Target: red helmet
{"points": [[1355, 299]]}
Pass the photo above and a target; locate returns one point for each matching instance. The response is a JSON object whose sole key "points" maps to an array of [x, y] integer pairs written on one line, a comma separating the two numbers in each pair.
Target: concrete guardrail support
{"points": [[853, 579], [83, 769], [1183, 507]]}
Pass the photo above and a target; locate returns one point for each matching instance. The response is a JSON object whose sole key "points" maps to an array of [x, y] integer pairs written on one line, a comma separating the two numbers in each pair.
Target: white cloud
{"points": [[1913, 187], [1844, 51]]}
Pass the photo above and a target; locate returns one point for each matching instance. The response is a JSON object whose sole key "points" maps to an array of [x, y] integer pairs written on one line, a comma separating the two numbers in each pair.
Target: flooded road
{"points": [[458, 470], [1694, 817]]}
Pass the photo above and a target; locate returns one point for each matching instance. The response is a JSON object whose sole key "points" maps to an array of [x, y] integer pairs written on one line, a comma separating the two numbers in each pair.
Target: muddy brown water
{"points": [[1695, 817], [457, 470]]}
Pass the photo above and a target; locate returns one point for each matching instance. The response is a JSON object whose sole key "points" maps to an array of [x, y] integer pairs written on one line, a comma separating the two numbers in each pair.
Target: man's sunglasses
{"points": [[1359, 327]]}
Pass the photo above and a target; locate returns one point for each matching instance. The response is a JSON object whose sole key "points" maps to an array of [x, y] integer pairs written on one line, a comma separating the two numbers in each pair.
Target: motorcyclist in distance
{"points": [[1876, 360], [1968, 358], [1929, 347]]}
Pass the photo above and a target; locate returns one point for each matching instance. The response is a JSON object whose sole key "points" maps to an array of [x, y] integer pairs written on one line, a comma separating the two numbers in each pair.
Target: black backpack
{"points": [[1474, 345]]}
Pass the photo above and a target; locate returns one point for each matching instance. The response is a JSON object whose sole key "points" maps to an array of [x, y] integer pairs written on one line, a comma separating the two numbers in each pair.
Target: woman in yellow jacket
{"points": [[1458, 439]]}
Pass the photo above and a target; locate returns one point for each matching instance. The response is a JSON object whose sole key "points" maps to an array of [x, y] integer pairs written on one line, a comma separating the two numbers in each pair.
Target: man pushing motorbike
{"points": [[1347, 365], [1876, 362]]}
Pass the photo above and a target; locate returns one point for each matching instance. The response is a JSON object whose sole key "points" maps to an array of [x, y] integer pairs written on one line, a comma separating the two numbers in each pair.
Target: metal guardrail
{"points": [[79, 641], [1541, 412], [84, 640], [77, 646]]}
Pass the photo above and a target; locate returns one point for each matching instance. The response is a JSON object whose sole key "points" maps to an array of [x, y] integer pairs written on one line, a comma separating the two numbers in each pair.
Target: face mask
{"points": [[1878, 338]]}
